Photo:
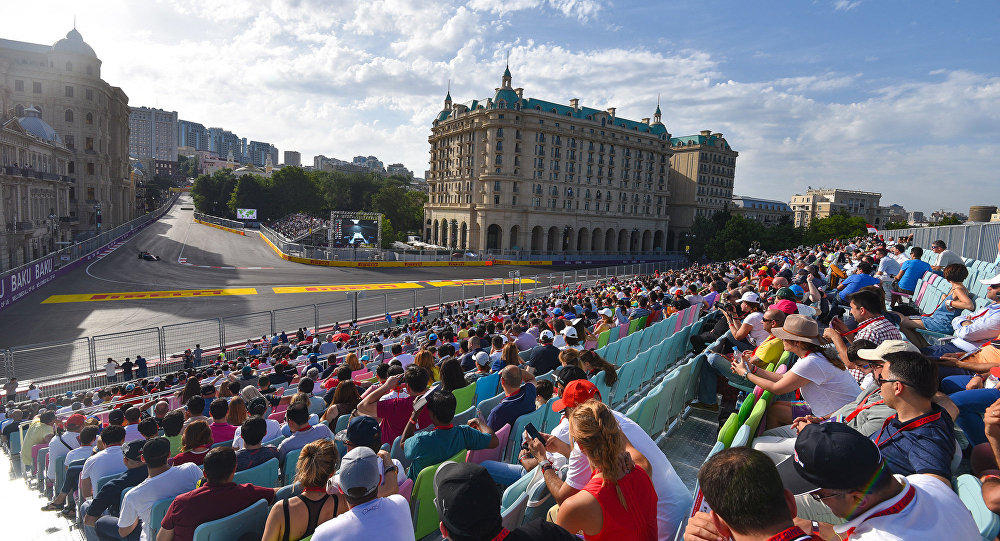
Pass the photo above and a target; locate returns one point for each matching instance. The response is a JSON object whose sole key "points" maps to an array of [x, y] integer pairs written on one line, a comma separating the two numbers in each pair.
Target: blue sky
{"points": [[891, 96]]}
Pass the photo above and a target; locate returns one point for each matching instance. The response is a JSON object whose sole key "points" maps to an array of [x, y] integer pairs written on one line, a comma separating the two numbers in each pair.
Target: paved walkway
{"points": [[22, 520]]}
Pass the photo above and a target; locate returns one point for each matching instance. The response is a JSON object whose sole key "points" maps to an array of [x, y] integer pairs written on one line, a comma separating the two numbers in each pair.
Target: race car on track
{"points": [[143, 254]]}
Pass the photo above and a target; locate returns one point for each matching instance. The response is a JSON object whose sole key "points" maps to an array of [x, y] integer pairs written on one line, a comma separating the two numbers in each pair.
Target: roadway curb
{"points": [[384, 264]]}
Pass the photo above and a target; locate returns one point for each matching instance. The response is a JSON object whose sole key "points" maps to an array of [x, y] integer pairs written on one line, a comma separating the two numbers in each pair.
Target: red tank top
{"points": [[637, 522]]}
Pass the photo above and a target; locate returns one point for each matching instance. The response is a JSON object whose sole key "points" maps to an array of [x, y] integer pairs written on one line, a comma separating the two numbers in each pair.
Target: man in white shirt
{"points": [[371, 517], [976, 329], [163, 482], [107, 461], [405, 358], [110, 369], [844, 470], [61, 444], [945, 256]]}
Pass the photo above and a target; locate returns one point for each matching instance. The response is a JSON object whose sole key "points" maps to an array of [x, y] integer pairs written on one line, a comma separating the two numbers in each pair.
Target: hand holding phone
{"points": [[420, 402], [533, 432]]}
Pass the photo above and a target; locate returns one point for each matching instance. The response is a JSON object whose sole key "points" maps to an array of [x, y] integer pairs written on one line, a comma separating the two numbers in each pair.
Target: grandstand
{"points": [[658, 374]]}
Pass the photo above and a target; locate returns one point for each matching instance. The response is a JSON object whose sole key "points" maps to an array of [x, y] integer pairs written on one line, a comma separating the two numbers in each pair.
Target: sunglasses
{"points": [[818, 498], [882, 381]]}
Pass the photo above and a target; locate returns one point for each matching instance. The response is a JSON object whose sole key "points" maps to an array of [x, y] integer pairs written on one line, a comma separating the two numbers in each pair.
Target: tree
{"points": [[889, 226], [252, 192], [211, 193], [950, 220]]}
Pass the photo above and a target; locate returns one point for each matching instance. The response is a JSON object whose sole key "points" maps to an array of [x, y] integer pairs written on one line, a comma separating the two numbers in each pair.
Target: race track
{"points": [[76, 305]]}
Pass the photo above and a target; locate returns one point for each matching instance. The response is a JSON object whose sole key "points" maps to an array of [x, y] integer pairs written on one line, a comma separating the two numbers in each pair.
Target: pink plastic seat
{"points": [[406, 488], [480, 455]]}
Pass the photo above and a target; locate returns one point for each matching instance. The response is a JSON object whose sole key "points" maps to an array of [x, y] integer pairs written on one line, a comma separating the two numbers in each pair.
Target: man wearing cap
{"points": [[445, 439], [747, 501], [370, 517], [544, 357], [468, 505], [219, 497], [163, 481], [61, 444], [483, 367], [673, 498], [976, 329], [110, 496], [519, 399], [363, 431], [836, 465]]}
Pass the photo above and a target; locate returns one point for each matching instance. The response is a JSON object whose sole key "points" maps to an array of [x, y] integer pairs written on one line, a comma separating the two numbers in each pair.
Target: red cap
{"points": [[76, 420], [785, 306], [576, 392], [330, 383]]}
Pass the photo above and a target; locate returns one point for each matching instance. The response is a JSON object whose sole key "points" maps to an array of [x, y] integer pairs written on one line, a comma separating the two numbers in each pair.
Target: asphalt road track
{"points": [[175, 236]]}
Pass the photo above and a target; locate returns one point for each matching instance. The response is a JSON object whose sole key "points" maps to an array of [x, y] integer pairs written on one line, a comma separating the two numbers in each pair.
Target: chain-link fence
{"points": [[183, 336], [291, 319], [39, 363], [128, 344]]}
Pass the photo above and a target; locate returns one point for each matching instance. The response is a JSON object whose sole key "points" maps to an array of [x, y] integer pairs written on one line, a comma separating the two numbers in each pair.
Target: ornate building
{"points": [[702, 174], [34, 189], [515, 173], [63, 83], [817, 204]]}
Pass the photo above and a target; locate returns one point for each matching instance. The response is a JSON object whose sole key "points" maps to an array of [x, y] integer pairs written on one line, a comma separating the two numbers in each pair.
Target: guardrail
{"points": [[215, 220], [70, 365], [974, 241], [18, 282]]}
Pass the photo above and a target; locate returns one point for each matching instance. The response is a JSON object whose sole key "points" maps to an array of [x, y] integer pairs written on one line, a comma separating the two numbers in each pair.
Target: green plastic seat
{"points": [[464, 397], [746, 407], [728, 430], [603, 339], [422, 509], [249, 520]]}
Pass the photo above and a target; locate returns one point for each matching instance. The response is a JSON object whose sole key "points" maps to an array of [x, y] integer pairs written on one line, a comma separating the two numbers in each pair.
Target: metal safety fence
{"points": [[225, 222], [974, 241], [71, 365]]}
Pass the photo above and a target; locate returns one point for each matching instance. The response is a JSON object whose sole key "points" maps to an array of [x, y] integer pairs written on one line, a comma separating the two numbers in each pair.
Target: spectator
{"points": [[509, 356], [910, 271], [110, 496], [468, 504], [393, 413], [160, 411], [747, 500], [173, 424], [976, 329], [483, 363], [126, 367], [219, 497], [593, 364], [750, 331], [195, 443], [619, 502], [163, 481], [297, 417], [105, 462], [544, 357], [194, 410], [132, 416], [344, 400], [862, 277], [363, 431], [518, 386], [141, 368], [446, 440], [452, 377], [111, 370], [844, 470], [768, 351], [404, 359], [148, 428], [544, 389], [822, 378], [298, 516], [40, 430], [370, 516], [221, 430], [945, 256], [252, 452], [237, 413], [64, 442], [866, 309]]}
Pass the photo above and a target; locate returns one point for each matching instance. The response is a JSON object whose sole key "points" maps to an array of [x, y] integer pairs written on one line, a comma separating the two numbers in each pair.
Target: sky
{"points": [[899, 97]]}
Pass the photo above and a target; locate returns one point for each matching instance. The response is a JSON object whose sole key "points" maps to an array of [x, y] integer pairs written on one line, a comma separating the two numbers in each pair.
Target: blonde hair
{"points": [[237, 411], [425, 360], [197, 434], [509, 354], [353, 362], [317, 463], [570, 357], [594, 428]]}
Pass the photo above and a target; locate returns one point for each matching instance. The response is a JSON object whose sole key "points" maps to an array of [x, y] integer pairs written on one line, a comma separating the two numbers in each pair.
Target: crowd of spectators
{"points": [[868, 430], [298, 224]]}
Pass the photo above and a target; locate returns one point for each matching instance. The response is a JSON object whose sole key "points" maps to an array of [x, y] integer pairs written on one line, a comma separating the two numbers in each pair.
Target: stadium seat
{"points": [[248, 521], [486, 387], [228, 443], [288, 470], [156, 515], [603, 339], [515, 501], [970, 491], [422, 510], [262, 475], [463, 417], [742, 437], [481, 455], [536, 418], [728, 430], [486, 406]]}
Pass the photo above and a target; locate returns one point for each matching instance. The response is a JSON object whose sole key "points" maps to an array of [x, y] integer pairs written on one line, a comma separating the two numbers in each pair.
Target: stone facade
{"points": [[152, 134], [823, 203], [63, 81], [702, 174], [35, 208], [766, 211], [515, 173]]}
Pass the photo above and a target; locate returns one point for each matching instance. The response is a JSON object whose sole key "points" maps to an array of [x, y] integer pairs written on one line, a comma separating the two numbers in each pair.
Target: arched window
{"points": [[90, 118], [69, 115], [69, 66]]}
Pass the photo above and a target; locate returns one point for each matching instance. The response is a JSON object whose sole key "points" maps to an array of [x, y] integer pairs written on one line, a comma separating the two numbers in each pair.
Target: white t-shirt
{"points": [[102, 464], [58, 449], [34, 394], [805, 309], [333, 485], [948, 257], [405, 358], [381, 519], [695, 299], [110, 368], [79, 453], [757, 332], [139, 501], [132, 433], [935, 512], [829, 387], [673, 498]]}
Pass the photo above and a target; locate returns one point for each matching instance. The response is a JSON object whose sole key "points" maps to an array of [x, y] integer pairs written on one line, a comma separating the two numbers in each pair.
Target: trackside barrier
{"points": [[224, 224], [974, 241], [70, 365]]}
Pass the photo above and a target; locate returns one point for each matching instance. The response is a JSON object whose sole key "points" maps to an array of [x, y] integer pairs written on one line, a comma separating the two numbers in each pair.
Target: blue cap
{"points": [[432, 337], [130, 387], [557, 312], [797, 289], [312, 356], [365, 358]]}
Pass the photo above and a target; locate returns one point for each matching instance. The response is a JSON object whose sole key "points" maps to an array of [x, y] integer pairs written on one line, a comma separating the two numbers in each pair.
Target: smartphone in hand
{"points": [[533, 432]]}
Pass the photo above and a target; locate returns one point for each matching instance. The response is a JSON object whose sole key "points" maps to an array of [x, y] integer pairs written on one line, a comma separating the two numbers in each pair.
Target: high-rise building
{"points": [[192, 134], [152, 134], [399, 170], [370, 163], [293, 158], [515, 173], [822, 203], [226, 144], [258, 152], [63, 83], [702, 174]]}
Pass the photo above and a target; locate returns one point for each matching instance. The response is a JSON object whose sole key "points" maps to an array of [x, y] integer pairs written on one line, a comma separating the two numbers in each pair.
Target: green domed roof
{"points": [[508, 98]]}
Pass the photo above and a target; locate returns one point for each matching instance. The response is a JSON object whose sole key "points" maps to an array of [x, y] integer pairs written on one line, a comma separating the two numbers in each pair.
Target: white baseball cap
{"points": [[546, 335], [750, 296], [606, 312], [885, 348], [569, 332], [482, 358], [992, 281]]}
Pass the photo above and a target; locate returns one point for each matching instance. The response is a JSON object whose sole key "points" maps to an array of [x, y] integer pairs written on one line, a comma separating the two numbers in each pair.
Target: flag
{"points": [[871, 228]]}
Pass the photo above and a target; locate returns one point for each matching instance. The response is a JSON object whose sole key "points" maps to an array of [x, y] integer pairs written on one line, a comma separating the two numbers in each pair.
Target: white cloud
{"points": [[846, 5]]}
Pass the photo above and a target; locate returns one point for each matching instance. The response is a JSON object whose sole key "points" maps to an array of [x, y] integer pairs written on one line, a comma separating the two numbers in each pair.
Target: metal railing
{"points": [[974, 241], [225, 222], [76, 364]]}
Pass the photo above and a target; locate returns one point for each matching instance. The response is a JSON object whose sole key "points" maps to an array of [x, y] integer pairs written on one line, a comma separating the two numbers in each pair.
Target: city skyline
{"points": [[856, 95]]}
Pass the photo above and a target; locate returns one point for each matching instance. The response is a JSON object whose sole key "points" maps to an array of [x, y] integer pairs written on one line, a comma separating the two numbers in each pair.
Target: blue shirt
{"points": [[512, 407], [853, 283], [913, 270], [927, 448], [439, 444]]}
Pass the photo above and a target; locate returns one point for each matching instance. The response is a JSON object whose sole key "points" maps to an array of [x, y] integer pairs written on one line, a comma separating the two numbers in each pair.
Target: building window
{"points": [[68, 115], [90, 94], [89, 144], [496, 185], [71, 167], [69, 66], [90, 192], [18, 85], [496, 200], [69, 92], [70, 142], [513, 200], [90, 118], [90, 168]]}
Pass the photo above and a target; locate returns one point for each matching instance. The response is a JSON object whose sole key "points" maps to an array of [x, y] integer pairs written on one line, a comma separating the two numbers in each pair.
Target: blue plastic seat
{"points": [[248, 521], [288, 469], [262, 475], [970, 491]]}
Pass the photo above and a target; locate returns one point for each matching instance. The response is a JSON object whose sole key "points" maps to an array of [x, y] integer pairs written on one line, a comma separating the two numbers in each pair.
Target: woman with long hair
{"points": [[452, 376], [296, 517], [237, 414], [592, 364], [345, 400], [750, 330], [353, 361], [195, 443], [619, 502], [570, 357], [425, 360], [819, 375], [191, 388], [508, 355]]}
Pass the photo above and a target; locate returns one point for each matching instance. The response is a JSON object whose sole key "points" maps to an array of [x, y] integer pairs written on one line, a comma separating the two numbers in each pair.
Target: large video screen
{"points": [[353, 231]]}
